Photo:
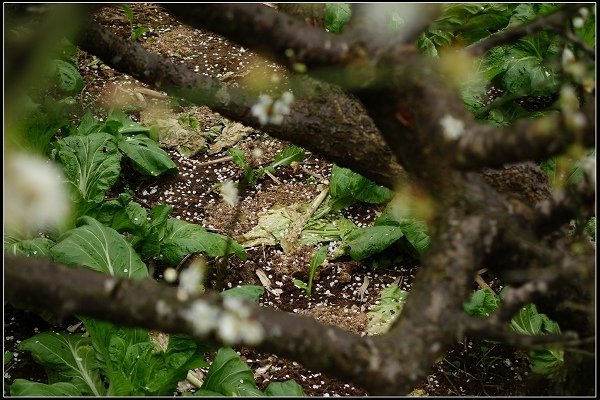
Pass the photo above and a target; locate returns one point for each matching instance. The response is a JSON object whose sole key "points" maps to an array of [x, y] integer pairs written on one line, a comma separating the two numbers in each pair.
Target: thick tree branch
{"points": [[488, 146], [285, 39], [564, 205], [326, 122]]}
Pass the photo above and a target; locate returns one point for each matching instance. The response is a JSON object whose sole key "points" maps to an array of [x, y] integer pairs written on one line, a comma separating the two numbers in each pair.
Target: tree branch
{"points": [[326, 121], [489, 146], [287, 40]]}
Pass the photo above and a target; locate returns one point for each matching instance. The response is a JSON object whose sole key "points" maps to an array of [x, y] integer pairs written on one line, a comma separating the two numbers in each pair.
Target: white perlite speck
{"points": [[453, 127]]}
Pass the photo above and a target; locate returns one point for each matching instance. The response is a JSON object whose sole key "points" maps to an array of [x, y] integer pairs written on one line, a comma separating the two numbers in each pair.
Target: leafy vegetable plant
{"points": [[527, 321]]}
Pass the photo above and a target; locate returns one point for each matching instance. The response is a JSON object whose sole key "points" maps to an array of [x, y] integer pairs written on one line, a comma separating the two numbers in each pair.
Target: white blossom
{"points": [[170, 275], [578, 22], [35, 197], [269, 111], [453, 127], [203, 316], [191, 278], [229, 191]]}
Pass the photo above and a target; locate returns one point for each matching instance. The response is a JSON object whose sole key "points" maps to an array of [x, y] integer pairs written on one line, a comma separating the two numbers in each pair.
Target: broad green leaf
{"points": [[230, 376], [183, 238], [337, 16], [345, 184], [89, 124], [37, 247], [287, 156], [284, 389], [151, 244], [382, 315], [546, 362], [67, 358], [100, 248], [91, 163], [482, 303], [527, 321], [110, 356], [371, 240], [69, 79], [248, 292], [169, 367], [8, 356], [146, 155], [123, 215], [23, 387], [123, 124]]}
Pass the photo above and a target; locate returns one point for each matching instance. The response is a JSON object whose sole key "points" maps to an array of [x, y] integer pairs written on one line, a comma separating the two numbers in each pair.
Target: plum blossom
{"points": [[35, 197], [269, 111], [453, 127]]}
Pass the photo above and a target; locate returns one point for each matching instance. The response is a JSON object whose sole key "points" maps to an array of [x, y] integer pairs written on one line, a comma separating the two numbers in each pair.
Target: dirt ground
{"points": [[470, 368]]}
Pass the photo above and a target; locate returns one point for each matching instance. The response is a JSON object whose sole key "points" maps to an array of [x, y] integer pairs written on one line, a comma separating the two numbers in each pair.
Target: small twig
{"points": [[591, 52], [482, 284], [216, 161], [273, 177]]}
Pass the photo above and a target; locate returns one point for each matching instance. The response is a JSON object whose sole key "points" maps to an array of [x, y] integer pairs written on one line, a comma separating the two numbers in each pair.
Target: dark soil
{"points": [[470, 368]]}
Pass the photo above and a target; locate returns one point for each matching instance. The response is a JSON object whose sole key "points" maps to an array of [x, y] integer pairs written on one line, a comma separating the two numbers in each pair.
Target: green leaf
{"points": [[8, 356], [345, 184], [37, 247], [137, 32], [287, 156], [301, 285], [101, 334], [151, 244], [128, 12], [248, 292], [183, 238], [316, 260], [69, 79], [119, 122], [100, 248], [546, 362], [230, 376], [168, 367], [68, 358], [284, 389], [89, 124], [482, 303], [123, 215], [337, 16], [371, 240], [527, 321], [240, 159], [23, 387], [415, 231], [590, 228], [146, 155], [382, 315], [91, 163]]}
